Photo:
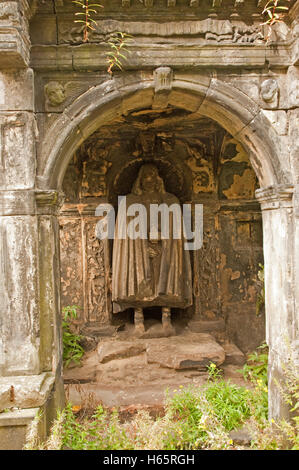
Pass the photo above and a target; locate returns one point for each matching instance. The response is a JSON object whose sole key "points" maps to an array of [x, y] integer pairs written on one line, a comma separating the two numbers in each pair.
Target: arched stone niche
{"points": [[199, 163], [240, 116]]}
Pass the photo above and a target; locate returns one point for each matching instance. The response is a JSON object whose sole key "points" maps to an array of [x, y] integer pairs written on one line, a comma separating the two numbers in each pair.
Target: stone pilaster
{"points": [[30, 336], [29, 282], [280, 288]]}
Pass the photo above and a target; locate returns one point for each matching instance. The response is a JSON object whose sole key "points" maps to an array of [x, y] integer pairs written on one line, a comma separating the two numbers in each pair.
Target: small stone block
{"points": [[233, 355], [110, 350]]}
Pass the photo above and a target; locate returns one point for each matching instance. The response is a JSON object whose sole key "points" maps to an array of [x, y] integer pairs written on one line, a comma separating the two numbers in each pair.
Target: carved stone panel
{"points": [[205, 272], [96, 274], [17, 140], [71, 263]]}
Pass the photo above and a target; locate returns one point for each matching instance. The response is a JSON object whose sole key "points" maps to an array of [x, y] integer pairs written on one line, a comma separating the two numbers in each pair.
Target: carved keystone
{"points": [[163, 77]]}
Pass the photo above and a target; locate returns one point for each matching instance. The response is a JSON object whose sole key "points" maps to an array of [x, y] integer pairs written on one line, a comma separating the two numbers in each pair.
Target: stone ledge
{"points": [[94, 56], [18, 417], [25, 391], [14, 52], [275, 197]]}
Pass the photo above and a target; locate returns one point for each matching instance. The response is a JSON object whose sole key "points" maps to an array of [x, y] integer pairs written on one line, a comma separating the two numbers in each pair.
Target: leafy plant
{"points": [[275, 12], [86, 16], [72, 349], [213, 371], [118, 43], [256, 368]]}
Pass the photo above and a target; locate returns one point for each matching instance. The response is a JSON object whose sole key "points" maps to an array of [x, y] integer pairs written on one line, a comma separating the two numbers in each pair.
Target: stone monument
{"points": [[155, 271]]}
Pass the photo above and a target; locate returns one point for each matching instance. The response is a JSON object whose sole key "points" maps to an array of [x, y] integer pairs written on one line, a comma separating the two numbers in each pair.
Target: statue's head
{"points": [[55, 93], [148, 180]]}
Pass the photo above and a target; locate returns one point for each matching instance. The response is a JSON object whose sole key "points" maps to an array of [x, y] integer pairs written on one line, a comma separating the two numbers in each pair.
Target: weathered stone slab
{"points": [[233, 355], [192, 351], [205, 326], [25, 391], [119, 349]]}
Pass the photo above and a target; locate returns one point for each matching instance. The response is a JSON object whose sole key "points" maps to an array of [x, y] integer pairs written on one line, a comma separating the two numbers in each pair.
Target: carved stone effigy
{"points": [[55, 94], [151, 271]]}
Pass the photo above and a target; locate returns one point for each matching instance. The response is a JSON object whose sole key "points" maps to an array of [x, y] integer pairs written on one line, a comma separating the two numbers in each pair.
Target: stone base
{"points": [[21, 398], [14, 426]]}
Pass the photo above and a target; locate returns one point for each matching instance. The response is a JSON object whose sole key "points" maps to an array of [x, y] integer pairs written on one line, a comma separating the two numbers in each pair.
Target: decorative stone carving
{"points": [[125, 3], [55, 93], [71, 263], [208, 30], [96, 274], [153, 271], [94, 181], [269, 90], [202, 170], [163, 77]]}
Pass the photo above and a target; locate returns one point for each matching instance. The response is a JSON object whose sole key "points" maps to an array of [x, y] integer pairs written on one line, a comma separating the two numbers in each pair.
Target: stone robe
{"points": [[149, 273]]}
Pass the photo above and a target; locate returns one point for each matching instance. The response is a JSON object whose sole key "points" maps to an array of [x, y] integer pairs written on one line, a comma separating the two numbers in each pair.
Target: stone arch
{"points": [[229, 107], [247, 123]]}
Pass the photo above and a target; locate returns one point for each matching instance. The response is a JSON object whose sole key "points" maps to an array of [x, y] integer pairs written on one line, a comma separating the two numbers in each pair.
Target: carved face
{"points": [[149, 178], [55, 93]]}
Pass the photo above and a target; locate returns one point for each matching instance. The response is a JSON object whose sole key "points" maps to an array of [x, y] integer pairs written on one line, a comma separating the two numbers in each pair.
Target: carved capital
{"points": [[48, 202], [275, 197], [30, 202]]}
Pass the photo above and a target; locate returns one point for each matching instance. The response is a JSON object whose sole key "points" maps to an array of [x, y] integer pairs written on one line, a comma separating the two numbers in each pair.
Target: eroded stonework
{"points": [[200, 163], [229, 95]]}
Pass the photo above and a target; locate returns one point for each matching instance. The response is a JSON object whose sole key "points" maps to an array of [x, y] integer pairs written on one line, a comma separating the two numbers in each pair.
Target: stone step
{"points": [[192, 351], [233, 355], [187, 351]]}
